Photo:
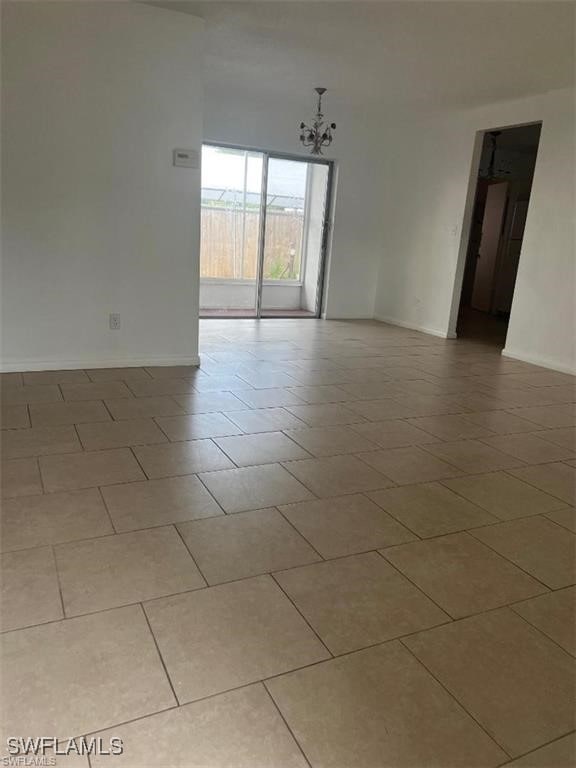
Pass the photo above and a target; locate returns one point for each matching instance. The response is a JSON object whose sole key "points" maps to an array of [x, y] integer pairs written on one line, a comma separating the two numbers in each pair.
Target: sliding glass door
{"points": [[264, 229], [296, 196], [230, 231]]}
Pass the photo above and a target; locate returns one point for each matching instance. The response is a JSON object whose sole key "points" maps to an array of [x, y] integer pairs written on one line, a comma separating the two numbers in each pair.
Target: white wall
{"points": [[425, 235], [95, 218], [236, 118]]}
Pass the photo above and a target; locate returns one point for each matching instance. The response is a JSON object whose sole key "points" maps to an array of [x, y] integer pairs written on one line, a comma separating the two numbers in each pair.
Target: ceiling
{"points": [[445, 54]]}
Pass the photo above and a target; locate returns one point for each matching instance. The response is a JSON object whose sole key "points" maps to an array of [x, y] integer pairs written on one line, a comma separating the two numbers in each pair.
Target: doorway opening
{"points": [[502, 194], [264, 228]]}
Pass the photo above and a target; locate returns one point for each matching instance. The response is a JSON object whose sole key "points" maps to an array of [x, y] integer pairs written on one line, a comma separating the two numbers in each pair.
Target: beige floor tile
{"points": [[565, 517], [220, 383], [430, 509], [87, 470], [514, 681], [265, 448], [358, 601], [529, 448], [565, 437], [267, 398], [118, 374], [29, 591], [220, 638], [11, 380], [501, 422], [268, 380], [173, 371], [92, 390], [14, 417], [477, 402], [558, 754], [157, 387], [537, 545], [240, 490], [209, 402], [246, 544], [409, 465], [380, 410], [355, 711], [337, 475], [553, 614], [462, 575], [46, 393], [371, 390], [241, 729], [321, 394], [550, 416], [20, 477], [38, 441], [264, 420], [417, 404], [556, 479], [346, 525], [39, 378], [330, 441], [31, 521], [473, 456], [184, 458], [122, 569], [143, 407], [52, 414], [325, 414], [120, 434], [504, 496], [82, 675], [393, 433], [450, 427], [198, 426], [152, 503]]}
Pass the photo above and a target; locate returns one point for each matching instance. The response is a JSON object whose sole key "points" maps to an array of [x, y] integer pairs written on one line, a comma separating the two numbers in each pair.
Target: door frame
{"points": [[327, 225], [467, 218]]}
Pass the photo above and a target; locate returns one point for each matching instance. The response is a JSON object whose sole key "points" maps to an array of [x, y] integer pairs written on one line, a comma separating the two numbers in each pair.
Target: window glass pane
{"points": [[287, 181]]}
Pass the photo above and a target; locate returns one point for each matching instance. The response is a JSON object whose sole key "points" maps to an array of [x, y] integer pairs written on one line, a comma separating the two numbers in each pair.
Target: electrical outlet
{"points": [[114, 321]]}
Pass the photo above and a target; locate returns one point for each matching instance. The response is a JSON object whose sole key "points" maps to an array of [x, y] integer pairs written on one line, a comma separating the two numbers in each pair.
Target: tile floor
{"points": [[334, 545]]}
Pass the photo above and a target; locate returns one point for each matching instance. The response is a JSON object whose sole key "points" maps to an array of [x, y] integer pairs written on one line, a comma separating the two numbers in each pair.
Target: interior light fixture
{"points": [[320, 134]]}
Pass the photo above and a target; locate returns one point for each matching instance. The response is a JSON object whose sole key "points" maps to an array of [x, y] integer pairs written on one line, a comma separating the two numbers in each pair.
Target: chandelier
{"points": [[320, 134]]}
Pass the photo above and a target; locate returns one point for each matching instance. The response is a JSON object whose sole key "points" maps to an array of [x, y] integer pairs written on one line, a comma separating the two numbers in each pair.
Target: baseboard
{"points": [[414, 327], [542, 362], [35, 364]]}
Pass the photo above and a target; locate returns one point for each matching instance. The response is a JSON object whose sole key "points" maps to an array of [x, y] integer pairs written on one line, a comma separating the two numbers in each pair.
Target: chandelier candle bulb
{"points": [[320, 133]]}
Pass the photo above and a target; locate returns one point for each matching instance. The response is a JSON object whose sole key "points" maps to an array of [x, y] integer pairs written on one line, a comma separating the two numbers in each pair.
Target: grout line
{"points": [[537, 628], [183, 540], [291, 524], [285, 721], [419, 588], [540, 746], [101, 493], [147, 620], [507, 559], [457, 701], [133, 452], [274, 578], [59, 583]]}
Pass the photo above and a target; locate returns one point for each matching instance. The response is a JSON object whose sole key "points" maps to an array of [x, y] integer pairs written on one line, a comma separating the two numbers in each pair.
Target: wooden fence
{"points": [[221, 252]]}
